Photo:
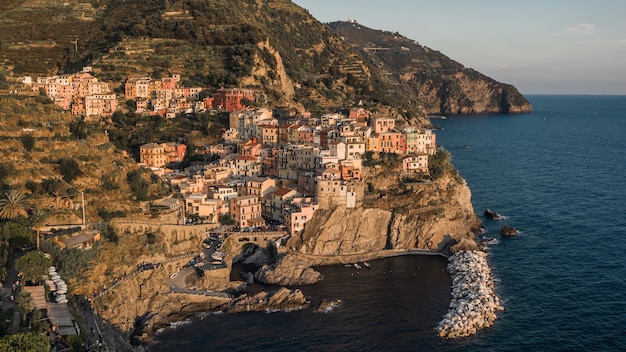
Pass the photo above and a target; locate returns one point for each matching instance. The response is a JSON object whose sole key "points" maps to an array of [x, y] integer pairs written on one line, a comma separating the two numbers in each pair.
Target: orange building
{"points": [[246, 211]]}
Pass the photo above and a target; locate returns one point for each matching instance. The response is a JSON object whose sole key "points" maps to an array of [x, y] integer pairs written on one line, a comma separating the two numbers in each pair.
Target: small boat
{"points": [[367, 265], [465, 146], [217, 256], [357, 266], [217, 262], [199, 264]]}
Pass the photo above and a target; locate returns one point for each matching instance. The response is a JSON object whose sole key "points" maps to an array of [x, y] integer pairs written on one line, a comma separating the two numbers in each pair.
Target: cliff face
{"points": [[440, 214], [430, 79]]}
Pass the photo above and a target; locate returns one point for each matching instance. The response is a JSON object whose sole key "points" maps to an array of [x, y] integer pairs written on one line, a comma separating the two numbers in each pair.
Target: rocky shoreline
{"points": [[473, 304]]}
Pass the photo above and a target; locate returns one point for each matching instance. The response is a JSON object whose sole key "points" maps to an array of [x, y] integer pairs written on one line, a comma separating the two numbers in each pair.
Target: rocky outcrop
{"points": [[290, 271], [283, 299], [490, 214], [342, 231], [431, 216], [508, 231], [144, 301]]}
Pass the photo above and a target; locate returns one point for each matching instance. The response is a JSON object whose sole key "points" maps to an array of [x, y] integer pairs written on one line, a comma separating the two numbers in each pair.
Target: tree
{"points": [[226, 219], [24, 304], [70, 169], [138, 184], [33, 266], [5, 171], [28, 141], [439, 164], [78, 128], [17, 234], [24, 342], [13, 205], [108, 183], [52, 186]]}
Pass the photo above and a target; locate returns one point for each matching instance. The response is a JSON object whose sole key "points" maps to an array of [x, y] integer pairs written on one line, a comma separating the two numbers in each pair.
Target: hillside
{"points": [[273, 46], [299, 63], [428, 77]]}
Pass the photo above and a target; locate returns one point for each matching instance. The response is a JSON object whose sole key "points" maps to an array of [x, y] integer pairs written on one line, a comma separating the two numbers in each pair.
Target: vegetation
{"points": [[69, 169], [24, 342], [13, 205], [226, 219], [78, 128], [388, 160], [440, 164], [70, 263], [16, 233], [146, 186], [28, 141], [33, 266], [5, 171]]}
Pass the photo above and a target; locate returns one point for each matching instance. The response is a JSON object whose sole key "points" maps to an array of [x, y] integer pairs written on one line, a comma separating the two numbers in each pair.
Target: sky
{"points": [[539, 46]]}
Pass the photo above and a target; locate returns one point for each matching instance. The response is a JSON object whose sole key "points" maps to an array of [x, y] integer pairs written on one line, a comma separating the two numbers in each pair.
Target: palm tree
{"points": [[24, 303], [13, 205]]}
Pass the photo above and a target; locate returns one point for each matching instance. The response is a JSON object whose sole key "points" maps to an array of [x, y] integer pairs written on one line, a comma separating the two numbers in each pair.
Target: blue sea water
{"points": [[559, 176]]}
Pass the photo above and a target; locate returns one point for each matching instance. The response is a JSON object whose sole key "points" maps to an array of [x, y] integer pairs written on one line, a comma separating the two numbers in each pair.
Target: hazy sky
{"points": [[539, 46]]}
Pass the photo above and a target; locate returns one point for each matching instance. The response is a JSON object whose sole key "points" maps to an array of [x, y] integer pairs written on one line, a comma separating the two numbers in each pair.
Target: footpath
{"points": [[9, 291]]}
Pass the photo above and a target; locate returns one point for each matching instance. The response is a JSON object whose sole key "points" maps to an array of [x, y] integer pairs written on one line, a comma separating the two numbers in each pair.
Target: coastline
{"points": [[459, 288]]}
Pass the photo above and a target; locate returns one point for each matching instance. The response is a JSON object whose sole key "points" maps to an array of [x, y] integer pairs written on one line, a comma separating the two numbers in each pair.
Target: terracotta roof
{"points": [[283, 191], [246, 157]]}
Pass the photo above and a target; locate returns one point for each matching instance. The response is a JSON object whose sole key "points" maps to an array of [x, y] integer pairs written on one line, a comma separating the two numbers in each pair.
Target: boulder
{"points": [[508, 231], [490, 214]]}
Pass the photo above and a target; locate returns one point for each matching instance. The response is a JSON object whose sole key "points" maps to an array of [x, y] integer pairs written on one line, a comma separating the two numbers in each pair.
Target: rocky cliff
{"points": [[429, 78], [428, 215], [433, 216]]}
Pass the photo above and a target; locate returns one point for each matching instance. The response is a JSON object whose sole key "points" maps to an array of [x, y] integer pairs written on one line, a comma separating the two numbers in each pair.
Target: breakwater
{"points": [[473, 304]]}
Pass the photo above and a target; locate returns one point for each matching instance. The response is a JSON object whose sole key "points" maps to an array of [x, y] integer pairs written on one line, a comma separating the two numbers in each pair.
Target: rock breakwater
{"points": [[473, 304]]}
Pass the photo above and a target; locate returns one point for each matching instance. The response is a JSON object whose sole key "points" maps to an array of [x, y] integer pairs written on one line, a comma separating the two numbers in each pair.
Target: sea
{"points": [[558, 175]]}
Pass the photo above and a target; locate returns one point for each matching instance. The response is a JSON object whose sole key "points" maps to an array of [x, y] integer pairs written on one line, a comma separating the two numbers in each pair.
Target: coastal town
{"points": [[260, 183], [268, 169]]}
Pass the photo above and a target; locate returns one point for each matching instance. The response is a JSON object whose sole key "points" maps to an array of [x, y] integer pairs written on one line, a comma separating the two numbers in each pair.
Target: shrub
{"points": [[439, 164], [28, 141], [70, 169], [225, 219]]}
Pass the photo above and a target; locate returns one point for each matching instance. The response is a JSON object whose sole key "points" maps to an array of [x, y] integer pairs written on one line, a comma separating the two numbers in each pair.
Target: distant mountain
{"points": [[273, 46], [429, 78]]}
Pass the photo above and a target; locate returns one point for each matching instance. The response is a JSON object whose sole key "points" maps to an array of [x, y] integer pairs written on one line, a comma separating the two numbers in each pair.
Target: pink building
{"points": [[279, 199], [175, 151], [247, 166], [297, 213], [415, 163], [252, 148], [381, 125], [246, 211]]}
